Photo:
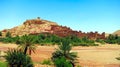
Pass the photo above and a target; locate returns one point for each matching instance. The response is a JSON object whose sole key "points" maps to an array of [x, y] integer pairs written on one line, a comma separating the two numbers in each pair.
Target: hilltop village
{"points": [[37, 26]]}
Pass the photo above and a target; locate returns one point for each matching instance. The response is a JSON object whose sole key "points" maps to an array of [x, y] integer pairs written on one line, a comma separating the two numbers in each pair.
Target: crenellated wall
{"points": [[64, 31]]}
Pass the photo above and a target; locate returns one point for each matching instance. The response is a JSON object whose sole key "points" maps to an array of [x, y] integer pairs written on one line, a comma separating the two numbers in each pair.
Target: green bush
{"points": [[84, 44], [8, 40], [46, 62], [113, 39], [62, 62], [118, 58], [1, 39], [78, 66], [94, 45], [3, 64], [118, 40], [100, 41]]}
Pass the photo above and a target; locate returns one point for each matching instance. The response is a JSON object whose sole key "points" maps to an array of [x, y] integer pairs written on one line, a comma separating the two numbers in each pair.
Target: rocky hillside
{"points": [[117, 32], [31, 27], [36, 26]]}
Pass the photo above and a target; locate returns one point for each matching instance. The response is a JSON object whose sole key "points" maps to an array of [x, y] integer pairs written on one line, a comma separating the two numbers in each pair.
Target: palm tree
{"points": [[16, 58], [64, 51], [27, 44]]}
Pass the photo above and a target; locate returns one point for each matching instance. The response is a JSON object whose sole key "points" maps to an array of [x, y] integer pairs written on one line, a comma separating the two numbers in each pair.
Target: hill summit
{"points": [[37, 26], [32, 26]]}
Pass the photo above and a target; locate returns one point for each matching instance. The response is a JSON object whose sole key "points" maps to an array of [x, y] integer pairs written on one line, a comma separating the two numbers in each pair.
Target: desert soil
{"points": [[95, 56]]}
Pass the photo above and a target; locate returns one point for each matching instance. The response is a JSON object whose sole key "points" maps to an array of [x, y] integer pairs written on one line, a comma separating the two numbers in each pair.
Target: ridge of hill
{"points": [[117, 32], [37, 26]]}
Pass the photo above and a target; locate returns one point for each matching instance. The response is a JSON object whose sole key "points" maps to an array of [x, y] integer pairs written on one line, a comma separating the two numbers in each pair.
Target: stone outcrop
{"points": [[36, 26]]}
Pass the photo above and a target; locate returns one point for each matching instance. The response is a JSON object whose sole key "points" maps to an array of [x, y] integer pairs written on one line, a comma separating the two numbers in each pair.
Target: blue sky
{"points": [[84, 15]]}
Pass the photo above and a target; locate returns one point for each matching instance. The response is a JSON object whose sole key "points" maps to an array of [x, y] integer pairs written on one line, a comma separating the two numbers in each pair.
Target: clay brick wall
{"points": [[64, 31]]}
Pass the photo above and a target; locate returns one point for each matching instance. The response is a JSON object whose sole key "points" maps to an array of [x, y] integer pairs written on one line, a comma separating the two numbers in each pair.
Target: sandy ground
{"points": [[96, 56]]}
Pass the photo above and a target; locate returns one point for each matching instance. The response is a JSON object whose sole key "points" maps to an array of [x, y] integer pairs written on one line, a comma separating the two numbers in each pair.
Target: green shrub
{"points": [[84, 44], [62, 62], [8, 40], [94, 44], [118, 58], [3, 64], [1, 39], [78, 66], [100, 41], [113, 39], [50, 39], [118, 40], [46, 62]]}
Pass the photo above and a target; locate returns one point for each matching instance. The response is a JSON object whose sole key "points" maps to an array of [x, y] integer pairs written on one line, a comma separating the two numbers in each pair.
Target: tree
{"points": [[64, 51], [118, 40], [0, 33], [27, 44], [112, 39], [65, 48], [16, 58], [8, 34], [16, 39]]}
